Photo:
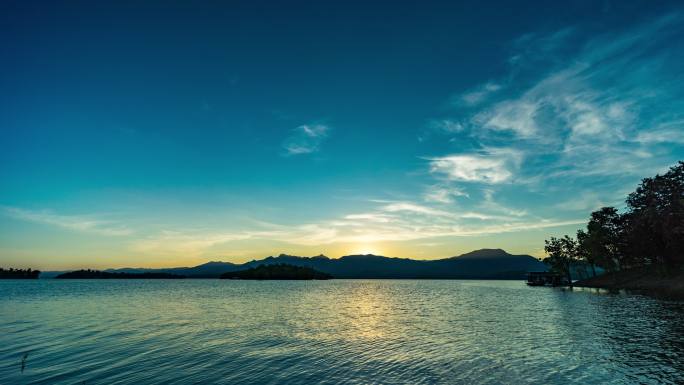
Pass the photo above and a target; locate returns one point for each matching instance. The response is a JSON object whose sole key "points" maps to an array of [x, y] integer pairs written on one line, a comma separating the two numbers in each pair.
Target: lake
{"points": [[333, 332]]}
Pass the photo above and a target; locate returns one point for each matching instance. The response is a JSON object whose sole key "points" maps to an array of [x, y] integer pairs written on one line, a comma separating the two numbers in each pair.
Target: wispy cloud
{"points": [[670, 132], [87, 224], [443, 194], [447, 126], [479, 94], [518, 116], [492, 165], [372, 217], [306, 139], [584, 201], [415, 209], [491, 205]]}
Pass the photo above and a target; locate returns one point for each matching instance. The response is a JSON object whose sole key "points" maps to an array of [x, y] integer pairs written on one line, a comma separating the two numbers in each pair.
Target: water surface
{"points": [[333, 332]]}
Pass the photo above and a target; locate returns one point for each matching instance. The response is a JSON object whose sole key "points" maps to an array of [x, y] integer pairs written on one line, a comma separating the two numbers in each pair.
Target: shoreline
{"points": [[648, 281]]}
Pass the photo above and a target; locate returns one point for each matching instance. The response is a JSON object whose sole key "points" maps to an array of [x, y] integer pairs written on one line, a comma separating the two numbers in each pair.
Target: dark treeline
{"points": [[649, 234], [19, 273], [277, 271], [97, 274]]}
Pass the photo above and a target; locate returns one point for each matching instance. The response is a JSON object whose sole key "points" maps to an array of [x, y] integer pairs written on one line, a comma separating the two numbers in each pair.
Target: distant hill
{"points": [[96, 274], [478, 264], [277, 271], [205, 270], [496, 263]]}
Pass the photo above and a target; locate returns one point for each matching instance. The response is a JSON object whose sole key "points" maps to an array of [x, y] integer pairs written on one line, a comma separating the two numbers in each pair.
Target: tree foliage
{"points": [[600, 244], [563, 252], [654, 221]]}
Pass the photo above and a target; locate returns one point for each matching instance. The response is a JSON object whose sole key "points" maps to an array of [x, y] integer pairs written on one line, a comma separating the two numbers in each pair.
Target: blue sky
{"points": [[164, 134]]}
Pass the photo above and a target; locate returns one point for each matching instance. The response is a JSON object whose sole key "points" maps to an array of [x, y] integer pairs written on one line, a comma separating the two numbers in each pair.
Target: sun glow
{"points": [[366, 249]]}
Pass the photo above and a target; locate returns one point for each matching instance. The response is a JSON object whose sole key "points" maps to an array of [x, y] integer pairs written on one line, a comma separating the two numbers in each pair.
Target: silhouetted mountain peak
{"points": [[288, 256], [363, 256], [485, 253], [215, 264]]}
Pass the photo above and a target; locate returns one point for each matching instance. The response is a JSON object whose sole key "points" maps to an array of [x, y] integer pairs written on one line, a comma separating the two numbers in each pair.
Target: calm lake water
{"points": [[333, 332]]}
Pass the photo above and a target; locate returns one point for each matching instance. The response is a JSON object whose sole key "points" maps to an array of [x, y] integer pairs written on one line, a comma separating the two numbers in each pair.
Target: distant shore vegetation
{"points": [[277, 271], [648, 236], [19, 273], [97, 274]]}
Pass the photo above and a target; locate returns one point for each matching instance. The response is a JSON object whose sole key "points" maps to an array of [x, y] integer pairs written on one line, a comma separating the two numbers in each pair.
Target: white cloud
{"points": [[671, 132], [416, 209], [371, 217], [492, 166], [298, 149], [86, 224], [314, 130], [306, 139], [585, 201], [471, 168], [479, 94], [490, 204], [443, 194], [446, 126], [518, 116]]}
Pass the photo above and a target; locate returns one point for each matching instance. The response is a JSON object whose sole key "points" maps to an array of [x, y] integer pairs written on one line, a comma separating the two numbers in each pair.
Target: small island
{"points": [[277, 271], [97, 274], [19, 273]]}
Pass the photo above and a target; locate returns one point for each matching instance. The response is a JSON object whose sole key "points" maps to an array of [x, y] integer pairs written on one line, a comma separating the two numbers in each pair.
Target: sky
{"points": [[174, 133]]}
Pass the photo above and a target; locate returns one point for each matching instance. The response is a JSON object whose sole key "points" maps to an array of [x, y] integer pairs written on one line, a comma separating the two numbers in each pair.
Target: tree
{"points": [[600, 244], [655, 219], [562, 253], [585, 250]]}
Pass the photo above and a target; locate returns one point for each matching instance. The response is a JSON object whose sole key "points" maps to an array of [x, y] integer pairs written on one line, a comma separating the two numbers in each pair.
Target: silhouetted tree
{"points": [[599, 245], [563, 252], [655, 219]]}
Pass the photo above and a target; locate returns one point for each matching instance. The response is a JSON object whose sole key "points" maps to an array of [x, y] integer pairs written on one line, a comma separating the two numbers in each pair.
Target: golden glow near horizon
{"points": [[364, 249]]}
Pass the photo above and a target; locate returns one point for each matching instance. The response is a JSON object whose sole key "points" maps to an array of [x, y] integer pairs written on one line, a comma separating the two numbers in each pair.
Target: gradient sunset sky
{"points": [[174, 133]]}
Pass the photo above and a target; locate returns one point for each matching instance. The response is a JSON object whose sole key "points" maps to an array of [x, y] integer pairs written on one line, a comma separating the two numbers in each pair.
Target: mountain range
{"points": [[479, 264]]}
